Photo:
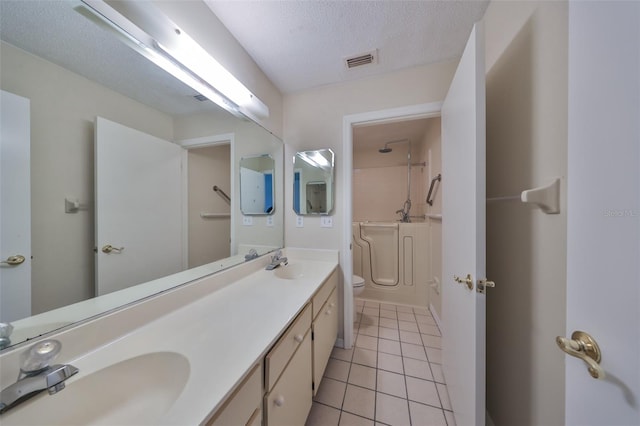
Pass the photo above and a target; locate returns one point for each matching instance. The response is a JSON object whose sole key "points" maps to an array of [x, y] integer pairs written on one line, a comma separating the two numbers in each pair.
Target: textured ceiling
{"points": [[303, 44], [54, 31]]}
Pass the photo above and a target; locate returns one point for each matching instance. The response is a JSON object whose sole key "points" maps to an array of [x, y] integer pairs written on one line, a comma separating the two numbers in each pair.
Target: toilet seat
{"points": [[357, 281]]}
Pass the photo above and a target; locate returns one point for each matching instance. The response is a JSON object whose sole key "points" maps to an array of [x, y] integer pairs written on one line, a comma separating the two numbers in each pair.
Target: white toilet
{"points": [[358, 288]]}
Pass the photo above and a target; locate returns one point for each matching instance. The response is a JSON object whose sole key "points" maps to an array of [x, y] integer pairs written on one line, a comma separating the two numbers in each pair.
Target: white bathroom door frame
{"points": [[412, 112], [202, 142]]}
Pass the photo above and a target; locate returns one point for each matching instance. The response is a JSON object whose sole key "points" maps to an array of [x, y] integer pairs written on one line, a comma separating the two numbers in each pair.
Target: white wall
{"points": [[63, 109], [313, 119], [526, 249]]}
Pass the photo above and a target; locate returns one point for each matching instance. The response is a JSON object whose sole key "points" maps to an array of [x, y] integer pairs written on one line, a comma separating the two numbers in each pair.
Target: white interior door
{"points": [[463, 234], [138, 207], [15, 207], [603, 215]]}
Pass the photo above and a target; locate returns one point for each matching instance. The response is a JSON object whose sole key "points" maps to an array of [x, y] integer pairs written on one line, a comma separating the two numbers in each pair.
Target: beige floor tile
{"points": [[408, 326], [348, 419], [388, 314], [425, 319], [425, 415], [432, 341], [322, 415], [389, 346], [444, 396], [360, 401], [423, 391], [391, 383], [429, 329], [365, 357], [364, 376], [390, 362], [410, 350], [337, 369], [417, 368], [388, 306], [421, 311], [410, 337], [372, 303], [401, 308], [369, 330], [451, 421], [434, 355], [392, 410], [388, 333], [406, 316], [438, 375], [367, 342], [369, 320], [331, 392], [389, 323], [342, 354], [368, 310]]}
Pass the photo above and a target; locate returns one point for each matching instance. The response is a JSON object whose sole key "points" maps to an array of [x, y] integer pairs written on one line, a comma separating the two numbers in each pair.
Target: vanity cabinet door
{"points": [[243, 407], [325, 331], [323, 292], [290, 400]]}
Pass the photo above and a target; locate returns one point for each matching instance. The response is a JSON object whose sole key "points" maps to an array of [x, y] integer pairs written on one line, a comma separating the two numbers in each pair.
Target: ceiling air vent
{"points": [[362, 59], [201, 98]]}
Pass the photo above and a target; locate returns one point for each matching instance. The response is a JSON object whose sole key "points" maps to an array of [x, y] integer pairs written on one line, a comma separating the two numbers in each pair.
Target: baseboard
{"points": [[340, 343]]}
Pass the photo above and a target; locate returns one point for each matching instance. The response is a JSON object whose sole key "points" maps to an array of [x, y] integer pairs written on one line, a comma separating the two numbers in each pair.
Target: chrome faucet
{"points": [[5, 334], [37, 375], [277, 260]]}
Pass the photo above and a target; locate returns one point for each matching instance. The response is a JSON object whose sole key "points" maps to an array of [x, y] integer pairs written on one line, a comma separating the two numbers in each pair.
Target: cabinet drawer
{"points": [[241, 407], [323, 293], [279, 356], [325, 331], [290, 400]]}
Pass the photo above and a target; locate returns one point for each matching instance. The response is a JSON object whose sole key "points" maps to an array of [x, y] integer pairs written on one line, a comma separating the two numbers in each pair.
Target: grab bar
{"points": [[220, 192], [433, 182]]}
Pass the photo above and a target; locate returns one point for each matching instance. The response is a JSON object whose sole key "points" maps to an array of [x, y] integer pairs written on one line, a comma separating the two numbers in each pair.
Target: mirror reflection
{"points": [[257, 185], [313, 180], [73, 74]]}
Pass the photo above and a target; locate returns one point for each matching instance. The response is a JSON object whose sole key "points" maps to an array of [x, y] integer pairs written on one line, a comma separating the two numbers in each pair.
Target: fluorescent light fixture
{"points": [[315, 159], [180, 55]]}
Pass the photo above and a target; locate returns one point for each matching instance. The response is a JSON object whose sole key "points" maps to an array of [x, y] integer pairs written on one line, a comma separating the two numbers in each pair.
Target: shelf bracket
{"points": [[545, 197]]}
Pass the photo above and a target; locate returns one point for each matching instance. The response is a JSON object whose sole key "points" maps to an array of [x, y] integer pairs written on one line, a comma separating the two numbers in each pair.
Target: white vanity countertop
{"points": [[222, 335]]}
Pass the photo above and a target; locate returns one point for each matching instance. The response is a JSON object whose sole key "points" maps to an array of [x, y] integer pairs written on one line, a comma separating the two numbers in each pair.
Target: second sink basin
{"points": [[137, 391]]}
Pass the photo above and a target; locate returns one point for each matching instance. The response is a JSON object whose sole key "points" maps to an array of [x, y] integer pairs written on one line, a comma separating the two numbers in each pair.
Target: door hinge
{"points": [[313, 336], [313, 385]]}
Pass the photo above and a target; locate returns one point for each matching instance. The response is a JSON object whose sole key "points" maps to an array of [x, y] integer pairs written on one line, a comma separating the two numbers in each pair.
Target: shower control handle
{"points": [[468, 281]]}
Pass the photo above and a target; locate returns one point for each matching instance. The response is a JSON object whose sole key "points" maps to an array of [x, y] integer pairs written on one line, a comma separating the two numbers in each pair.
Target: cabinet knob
{"points": [[328, 312], [298, 338], [279, 401], [332, 304]]}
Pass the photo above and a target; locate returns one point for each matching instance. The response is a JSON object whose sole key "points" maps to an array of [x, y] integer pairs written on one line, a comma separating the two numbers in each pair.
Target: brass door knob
{"points": [[468, 281], [583, 346], [111, 249], [13, 260]]}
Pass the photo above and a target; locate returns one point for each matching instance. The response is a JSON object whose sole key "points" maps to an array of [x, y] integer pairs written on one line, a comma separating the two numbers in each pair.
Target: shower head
{"points": [[384, 150]]}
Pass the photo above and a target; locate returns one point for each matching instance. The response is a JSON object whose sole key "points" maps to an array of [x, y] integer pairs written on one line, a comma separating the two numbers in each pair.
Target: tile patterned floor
{"points": [[392, 375]]}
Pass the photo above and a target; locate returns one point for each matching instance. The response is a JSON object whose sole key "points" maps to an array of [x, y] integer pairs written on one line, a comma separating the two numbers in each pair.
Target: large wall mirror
{"points": [[83, 84], [313, 181]]}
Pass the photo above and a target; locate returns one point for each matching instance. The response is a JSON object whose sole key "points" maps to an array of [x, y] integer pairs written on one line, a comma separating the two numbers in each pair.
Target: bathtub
{"points": [[393, 259]]}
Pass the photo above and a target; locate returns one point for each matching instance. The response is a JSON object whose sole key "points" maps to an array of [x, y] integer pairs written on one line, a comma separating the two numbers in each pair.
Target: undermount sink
{"points": [[136, 391], [290, 272]]}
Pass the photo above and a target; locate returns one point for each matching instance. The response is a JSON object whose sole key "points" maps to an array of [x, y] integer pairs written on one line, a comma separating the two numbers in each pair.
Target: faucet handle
{"points": [[39, 356]]}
